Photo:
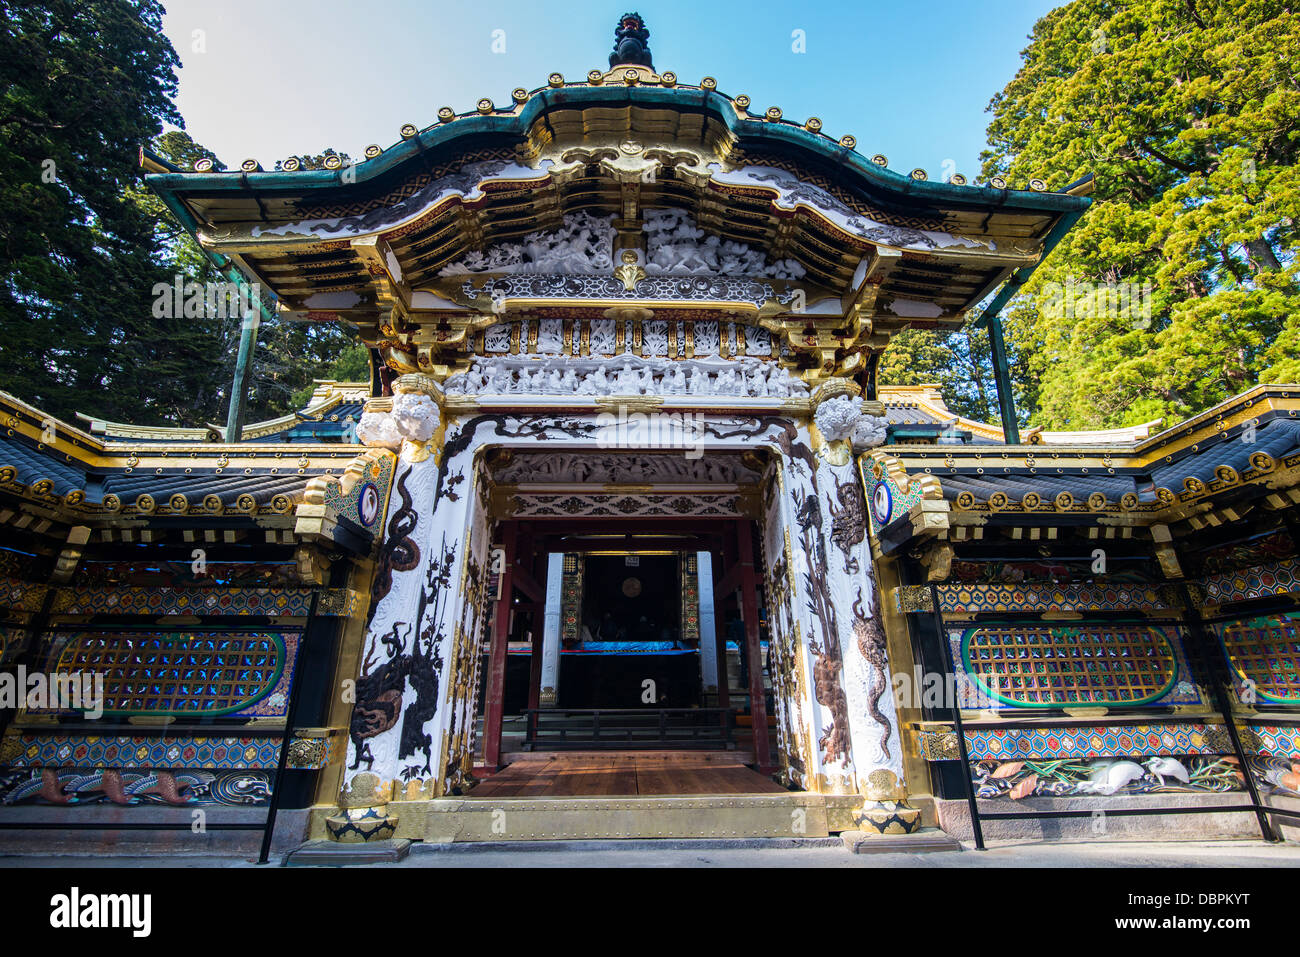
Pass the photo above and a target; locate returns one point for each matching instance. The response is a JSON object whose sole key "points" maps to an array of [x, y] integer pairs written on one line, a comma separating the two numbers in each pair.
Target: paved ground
{"points": [[812, 853]]}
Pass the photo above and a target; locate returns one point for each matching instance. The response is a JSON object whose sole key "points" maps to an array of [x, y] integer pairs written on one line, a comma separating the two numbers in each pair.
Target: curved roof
{"points": [[349, 242]]}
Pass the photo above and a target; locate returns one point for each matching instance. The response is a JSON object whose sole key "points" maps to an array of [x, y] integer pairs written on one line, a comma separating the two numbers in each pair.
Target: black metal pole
{"points": [[268, 831], [1214, 676], [957, 723]]}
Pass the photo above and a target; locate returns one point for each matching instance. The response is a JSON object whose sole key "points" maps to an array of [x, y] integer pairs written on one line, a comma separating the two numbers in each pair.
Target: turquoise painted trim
{"points": [[971, 674], [748, 129]]}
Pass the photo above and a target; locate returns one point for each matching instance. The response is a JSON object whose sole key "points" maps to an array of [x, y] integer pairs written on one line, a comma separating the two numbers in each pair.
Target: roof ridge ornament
{"points": [[631, 43]]}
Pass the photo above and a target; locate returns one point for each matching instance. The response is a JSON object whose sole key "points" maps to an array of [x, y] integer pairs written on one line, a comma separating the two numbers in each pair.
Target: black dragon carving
{"points": [[399, 552], [848, 523], [870, 638]]}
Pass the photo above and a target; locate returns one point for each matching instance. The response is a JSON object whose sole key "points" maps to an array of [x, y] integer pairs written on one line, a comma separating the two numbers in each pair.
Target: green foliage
{"points": [[1188, 114], [83, 243], [80, 84]]}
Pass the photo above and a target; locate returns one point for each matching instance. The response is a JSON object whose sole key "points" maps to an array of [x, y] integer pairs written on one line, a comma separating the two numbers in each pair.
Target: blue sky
{"points": [[910, 80]]}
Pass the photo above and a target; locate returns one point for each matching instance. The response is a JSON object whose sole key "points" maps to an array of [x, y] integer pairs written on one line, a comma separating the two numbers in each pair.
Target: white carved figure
{"points": [[726, 382], [869, 432], [378, 431], [553, 382], [836, 417], [699, 382], [777, 384], [416, 416], [676, 385], [570, 381], [628, 381], [757, 384]]}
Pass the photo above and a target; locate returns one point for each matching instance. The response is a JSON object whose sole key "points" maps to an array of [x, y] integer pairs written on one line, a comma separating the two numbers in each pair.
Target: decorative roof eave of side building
{"points": [[328, 395], [1216, 468]]}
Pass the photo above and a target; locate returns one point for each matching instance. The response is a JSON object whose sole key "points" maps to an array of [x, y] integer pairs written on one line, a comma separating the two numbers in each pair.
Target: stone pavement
{"points": [[757, 853]]}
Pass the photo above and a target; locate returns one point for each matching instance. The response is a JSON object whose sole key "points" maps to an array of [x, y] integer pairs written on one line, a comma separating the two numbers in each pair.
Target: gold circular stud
{"points": [[997, 182], [773, 113], [373, 150], [333, 161], [446, 114], [709, 83], [668, 78], [484, 105], [957, 179], [291, 165], [250, 166], [555, 79], [519, 94], [813, 125], [848, 142], [595, 77], [919, 175], [881, 160], [202, 165], [630, 77], [1037, 185], [408, 130], [742, 101]]}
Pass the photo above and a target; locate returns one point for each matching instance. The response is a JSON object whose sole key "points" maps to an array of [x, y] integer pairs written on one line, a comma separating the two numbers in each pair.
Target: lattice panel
{"points": [[191, 673], [1043, 667], [1265, 654]]}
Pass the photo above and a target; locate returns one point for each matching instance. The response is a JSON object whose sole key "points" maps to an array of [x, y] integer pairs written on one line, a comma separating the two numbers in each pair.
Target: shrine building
{"points": [[625, 539]]}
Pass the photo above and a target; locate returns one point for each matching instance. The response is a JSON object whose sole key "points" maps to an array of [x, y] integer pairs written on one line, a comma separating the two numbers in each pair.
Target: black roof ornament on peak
{"points": [[631, 44]]}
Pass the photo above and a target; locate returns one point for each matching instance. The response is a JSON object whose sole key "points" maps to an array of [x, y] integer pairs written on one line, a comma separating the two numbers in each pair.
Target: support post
{"points": [[243, 365], [708, 623], [496, 676], [753, 651], [550, 678], [1002, 374]]}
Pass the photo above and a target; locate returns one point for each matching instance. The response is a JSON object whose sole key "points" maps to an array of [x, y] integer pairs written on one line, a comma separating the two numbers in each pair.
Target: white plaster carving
{"points": [[584, 244], [869, 432], [416, 416], [378, 431], [626, 374], [837, 417]]}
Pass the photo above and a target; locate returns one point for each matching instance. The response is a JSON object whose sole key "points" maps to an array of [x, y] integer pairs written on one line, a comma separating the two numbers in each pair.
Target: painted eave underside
{"points": [[475, 180], [1218, 466]]}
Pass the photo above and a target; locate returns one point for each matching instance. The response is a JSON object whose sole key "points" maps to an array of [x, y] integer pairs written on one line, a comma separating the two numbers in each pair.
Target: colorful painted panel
{"points": [[288, 602], [12, 642], [1049, 596], [1040, 666], [20, 595], [1265, 656], [237, 674], [127, 788], [1114, 741], [367, 500], [1272, 740], [887, 501], [31, 750], [1105, 776], [1274, 578]]}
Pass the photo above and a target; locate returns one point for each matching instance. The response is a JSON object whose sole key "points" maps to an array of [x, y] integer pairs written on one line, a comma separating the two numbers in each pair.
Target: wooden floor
{"points": [[624, 773]]}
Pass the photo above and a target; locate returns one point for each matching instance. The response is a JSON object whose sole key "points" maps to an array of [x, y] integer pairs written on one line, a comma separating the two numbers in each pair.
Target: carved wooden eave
{"points": [[55, 479], [1239, 459], [366, 244]]}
